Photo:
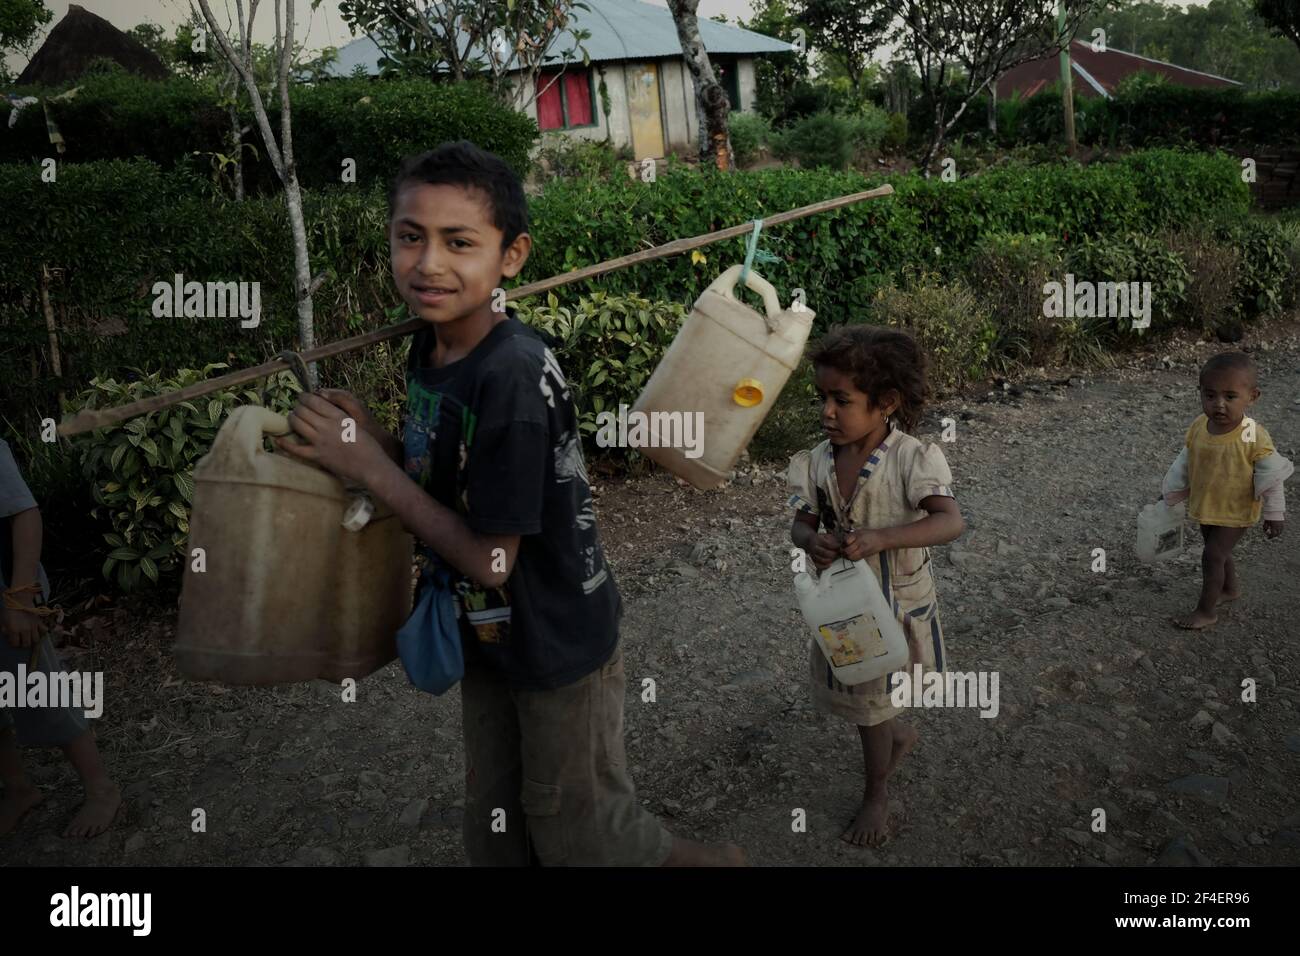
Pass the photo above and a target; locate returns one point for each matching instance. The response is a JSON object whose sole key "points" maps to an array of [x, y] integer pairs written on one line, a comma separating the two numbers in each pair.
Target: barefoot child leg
{"points": [[868, 826], [871, 492], [1215, 557], [1233, 476]]}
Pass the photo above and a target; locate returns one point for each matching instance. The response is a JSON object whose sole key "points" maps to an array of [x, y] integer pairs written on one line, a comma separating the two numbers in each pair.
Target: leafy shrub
{"points": [[823, 139], [840, 258], [949, 321], [1265, 268], [808, 97], [141, 472], [118, 227], [1213, 268], [608, 345], [582, 158], [870, 126], [895, 138], [1289, 229], [1008, 271], [166, 222], [118, 115], [750, 132], [1134, 257]]}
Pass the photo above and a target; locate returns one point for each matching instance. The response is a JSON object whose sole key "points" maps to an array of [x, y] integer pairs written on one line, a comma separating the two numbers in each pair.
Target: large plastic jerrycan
{"points": [[1160, 531], [852, 622], [286, 592], [725, 368]]}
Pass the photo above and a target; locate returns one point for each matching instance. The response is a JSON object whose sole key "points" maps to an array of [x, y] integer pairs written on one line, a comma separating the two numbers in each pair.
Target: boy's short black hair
{"points": [[1231, 362], [463, 164]]}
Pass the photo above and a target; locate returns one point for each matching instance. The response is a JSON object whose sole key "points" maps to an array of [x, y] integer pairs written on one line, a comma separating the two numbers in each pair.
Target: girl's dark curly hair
{"points": [[878, 360]]}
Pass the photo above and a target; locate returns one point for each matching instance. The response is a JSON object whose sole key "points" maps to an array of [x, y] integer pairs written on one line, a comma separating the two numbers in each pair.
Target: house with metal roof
{"points": [[1098, 72], [636, 90]]}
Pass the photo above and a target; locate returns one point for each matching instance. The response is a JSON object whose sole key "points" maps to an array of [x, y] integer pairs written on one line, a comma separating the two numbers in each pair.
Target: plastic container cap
{"points": [[748, 392], [803, 582], [358, 514]]}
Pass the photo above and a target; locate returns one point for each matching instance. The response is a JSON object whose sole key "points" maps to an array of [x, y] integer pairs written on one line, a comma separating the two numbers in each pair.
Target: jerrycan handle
{"points": [[241, 435], [725, 285], [839, 566]]}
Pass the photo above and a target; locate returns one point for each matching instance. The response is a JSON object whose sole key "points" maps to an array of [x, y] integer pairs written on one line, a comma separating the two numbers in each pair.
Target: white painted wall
{"points": [[676, 104]]}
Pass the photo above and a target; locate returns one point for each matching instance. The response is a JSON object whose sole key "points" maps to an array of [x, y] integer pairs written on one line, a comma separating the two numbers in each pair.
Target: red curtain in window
{"points": [[550, 112], [577, 95]]}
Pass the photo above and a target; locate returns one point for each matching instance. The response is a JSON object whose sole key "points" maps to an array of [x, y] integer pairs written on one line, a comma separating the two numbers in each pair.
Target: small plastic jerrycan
{"points": [[852, 622], [721, 376], [286, 591], [1160, 531]]}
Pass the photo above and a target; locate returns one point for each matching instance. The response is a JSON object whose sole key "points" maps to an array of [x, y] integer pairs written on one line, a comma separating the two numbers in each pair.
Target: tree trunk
{"points": [[237, 150], [280, 155], [711, 106], [993, 109]]}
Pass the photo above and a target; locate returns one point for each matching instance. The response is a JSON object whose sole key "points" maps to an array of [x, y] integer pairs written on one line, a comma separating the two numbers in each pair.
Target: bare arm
{"points": [[28, 535], [486, 559], [23, 629]]}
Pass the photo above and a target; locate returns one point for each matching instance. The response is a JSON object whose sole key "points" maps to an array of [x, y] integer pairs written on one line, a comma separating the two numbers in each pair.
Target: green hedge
{"points": [[118, 227], [1138, 116], [163, 223], [116, 115], [839, 259]]}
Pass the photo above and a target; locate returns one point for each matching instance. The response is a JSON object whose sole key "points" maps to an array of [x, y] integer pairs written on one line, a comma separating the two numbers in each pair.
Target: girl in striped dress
{"points": [[872, 492]]}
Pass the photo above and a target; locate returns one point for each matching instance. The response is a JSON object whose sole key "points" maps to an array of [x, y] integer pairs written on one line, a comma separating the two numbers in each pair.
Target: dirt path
{"points": [[1101, 700]]}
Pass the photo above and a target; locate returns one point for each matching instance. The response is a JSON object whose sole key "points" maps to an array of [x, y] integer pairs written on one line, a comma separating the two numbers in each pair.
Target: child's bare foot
{"points": [[98, 813], [905, 738], [1196, 621], [868, 827], [14, 805], [689, 853]]}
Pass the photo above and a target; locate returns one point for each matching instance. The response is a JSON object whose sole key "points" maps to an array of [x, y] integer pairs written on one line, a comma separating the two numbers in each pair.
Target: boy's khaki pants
{"points": [[546, 777]]}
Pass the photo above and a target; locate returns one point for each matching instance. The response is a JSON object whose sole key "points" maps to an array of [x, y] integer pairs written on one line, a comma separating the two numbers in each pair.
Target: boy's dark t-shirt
{"points": [[494, 436]]}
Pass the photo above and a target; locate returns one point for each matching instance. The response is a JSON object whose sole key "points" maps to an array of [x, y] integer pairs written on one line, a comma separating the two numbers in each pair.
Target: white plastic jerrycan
{"points": [[852, 622], [1160, 531], [721, 375]]}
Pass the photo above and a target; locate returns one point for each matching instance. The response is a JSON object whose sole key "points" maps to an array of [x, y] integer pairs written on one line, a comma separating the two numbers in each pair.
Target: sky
{"points": [[318, 28]]}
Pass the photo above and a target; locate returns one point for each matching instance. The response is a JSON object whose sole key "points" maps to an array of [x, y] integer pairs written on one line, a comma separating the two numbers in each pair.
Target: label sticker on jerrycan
{"points": [[852, 640]]}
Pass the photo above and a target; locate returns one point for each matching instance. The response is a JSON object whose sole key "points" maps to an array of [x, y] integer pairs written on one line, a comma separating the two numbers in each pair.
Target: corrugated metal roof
{"points": [[1101, 72], [620, 30]]}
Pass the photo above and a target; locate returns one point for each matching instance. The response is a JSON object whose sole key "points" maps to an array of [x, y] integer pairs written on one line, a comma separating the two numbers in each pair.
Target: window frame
{"points": [[564, 101]]}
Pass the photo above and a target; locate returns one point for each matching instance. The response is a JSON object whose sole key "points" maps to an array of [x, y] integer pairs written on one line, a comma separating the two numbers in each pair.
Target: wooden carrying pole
{"points": [[102, 418]]}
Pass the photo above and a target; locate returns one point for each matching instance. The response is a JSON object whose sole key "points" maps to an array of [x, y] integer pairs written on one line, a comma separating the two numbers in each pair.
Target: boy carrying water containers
{"points": [[491, 481], [1231, 475]]}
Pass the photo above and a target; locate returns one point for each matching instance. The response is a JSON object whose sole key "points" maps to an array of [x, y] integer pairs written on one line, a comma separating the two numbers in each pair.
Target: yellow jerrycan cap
{"points": [[748, 392]]}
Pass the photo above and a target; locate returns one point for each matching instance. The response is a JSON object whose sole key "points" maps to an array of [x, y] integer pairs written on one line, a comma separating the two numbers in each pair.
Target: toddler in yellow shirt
{"points": [[1230, 474]]}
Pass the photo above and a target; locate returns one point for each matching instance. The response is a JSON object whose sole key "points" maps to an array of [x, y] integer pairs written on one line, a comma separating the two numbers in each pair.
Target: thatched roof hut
{"points": [[81, 37]]}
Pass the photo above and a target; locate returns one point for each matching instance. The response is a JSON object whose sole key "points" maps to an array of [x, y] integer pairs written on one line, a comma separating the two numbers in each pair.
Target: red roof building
{"points": [[1097, 74]]}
